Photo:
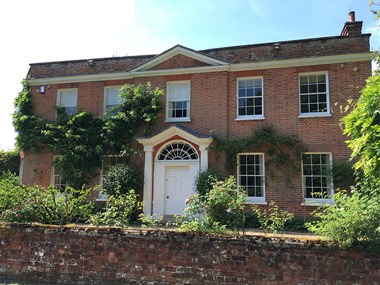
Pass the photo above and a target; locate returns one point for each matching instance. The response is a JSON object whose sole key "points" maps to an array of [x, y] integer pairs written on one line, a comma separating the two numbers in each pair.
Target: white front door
{"points": [[178, 186]]}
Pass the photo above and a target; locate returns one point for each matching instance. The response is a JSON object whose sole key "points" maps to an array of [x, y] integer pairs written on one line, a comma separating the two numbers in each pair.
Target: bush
{"points": [[9, 161], [120, 208], [120, 179], [272, 219], [351, 221], [217, 210], [206, 179], [22, 204]]}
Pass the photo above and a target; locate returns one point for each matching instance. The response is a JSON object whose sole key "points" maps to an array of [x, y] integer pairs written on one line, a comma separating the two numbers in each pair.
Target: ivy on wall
{"points": [[83, 139], [283, 151]]}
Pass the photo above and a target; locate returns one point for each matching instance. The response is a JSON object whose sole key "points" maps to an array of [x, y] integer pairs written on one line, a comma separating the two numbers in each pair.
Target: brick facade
{"points": [[50, 255], [213, 103]]}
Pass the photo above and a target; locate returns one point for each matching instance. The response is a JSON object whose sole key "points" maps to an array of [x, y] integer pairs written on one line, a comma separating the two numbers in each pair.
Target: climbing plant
{"points": [[82, 139], [283, 151]]}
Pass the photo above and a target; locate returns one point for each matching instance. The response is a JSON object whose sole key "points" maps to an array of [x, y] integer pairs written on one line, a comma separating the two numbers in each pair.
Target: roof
{"points": [[325, 46]]}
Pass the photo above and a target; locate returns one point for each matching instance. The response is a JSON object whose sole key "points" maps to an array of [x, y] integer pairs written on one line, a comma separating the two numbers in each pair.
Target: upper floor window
{"points": [[67, 99], [314, 94], [250, 98], [251, 175], [317, 177], [111, 97], [178, 101]]}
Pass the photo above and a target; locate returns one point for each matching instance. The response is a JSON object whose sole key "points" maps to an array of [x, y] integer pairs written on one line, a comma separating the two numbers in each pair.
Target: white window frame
{"points": [[105, 96], [315, 114], [183, 119], [250, 117], [253, 200], [59, 94], [102, 196], [53, 174], [316, 201]]}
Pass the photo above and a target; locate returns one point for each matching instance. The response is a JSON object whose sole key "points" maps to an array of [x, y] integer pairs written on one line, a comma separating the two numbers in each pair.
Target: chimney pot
{"points": [[351, 16]]}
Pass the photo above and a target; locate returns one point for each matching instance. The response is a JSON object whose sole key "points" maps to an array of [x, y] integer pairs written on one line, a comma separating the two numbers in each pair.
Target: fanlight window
{"points": [[178, 151]]}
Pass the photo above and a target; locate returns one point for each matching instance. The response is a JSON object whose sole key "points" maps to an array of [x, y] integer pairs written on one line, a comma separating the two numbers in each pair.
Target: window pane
{"points": [[316, 175], [251, 174], [315, 86], [251, 90]]}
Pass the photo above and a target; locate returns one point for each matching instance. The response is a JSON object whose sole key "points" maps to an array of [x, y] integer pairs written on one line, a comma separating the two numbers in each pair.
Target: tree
{"points": [[363, 127]]}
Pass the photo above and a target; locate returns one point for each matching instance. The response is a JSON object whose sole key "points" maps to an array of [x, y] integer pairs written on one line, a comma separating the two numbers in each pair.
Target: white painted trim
{"points": [[148, 183], [249, 117], [310, 61], [171, 132], [184, 119], [159, 170], [105, 95], [316, 201], [178, 50], [315, 114], [253, 200]]}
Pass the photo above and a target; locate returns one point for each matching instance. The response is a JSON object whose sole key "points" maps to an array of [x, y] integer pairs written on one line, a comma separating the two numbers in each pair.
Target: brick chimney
{"points": [[352, 27]]}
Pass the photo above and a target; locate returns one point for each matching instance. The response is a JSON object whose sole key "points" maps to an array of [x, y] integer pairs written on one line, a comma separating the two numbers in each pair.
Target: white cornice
{"points": [[318, 60], [80, 78], [171, 132], [357, 57]]}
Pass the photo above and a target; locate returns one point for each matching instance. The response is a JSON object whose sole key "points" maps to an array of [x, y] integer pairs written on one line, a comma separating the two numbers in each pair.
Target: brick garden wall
{"points": [[54, 255]]}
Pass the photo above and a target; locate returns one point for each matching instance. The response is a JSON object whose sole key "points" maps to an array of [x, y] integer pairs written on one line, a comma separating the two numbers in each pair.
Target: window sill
{"points": [[256, 203], [250, 118], [182, 120], [317, 202], [317, 115]]}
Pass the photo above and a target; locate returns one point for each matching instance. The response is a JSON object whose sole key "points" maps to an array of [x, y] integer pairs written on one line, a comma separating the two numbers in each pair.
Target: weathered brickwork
{"points": [[37, 255]]}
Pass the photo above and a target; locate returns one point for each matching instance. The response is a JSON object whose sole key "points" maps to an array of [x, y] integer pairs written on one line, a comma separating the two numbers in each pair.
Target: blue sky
{"points": [[45, 30]]}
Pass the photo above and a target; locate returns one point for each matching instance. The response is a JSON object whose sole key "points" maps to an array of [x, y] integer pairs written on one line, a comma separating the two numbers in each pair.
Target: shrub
{"points": [[217, 210], [9, 161], [352, 220], [120, 179], [272, 219], [120, 208], [22, 204], [206, 179]]}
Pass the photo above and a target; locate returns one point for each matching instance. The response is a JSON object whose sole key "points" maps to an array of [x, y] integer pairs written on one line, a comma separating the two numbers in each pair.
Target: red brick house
{"points": [[296, 86]]}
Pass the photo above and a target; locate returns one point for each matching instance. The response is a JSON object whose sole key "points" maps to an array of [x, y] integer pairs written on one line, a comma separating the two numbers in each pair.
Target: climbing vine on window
{"points": [[282, 151], [82, 139]]}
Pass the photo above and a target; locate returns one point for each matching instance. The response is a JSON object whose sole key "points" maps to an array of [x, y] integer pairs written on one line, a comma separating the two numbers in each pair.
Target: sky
{"points": [[54, 30]]}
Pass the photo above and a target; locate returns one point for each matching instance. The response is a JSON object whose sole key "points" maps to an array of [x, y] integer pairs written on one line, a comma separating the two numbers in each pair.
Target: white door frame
{"points": [[149, 148]]}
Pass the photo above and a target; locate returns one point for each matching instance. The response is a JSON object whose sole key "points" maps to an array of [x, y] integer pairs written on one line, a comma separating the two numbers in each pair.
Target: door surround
{"points": [[151, 205]]}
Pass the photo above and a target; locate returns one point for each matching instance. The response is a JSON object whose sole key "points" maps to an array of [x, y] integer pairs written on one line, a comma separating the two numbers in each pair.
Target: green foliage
{"points": [[363, 127], [353, 220], [141, 106], [120, 179], [217, 210], [206, 179], [82, 139], [22, 204], [119, 210], [151, 221], [343, 174], [283, 151], [272, 219], [9, 161]]}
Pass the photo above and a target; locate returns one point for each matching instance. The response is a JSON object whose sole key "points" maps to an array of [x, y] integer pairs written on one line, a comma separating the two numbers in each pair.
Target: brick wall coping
{"points": [[259, 238]]}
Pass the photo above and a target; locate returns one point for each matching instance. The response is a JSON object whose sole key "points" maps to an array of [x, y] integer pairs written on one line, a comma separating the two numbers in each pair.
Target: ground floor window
{"points": [[316, 175], [57, 180], [251, 175], [107, 164]]}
